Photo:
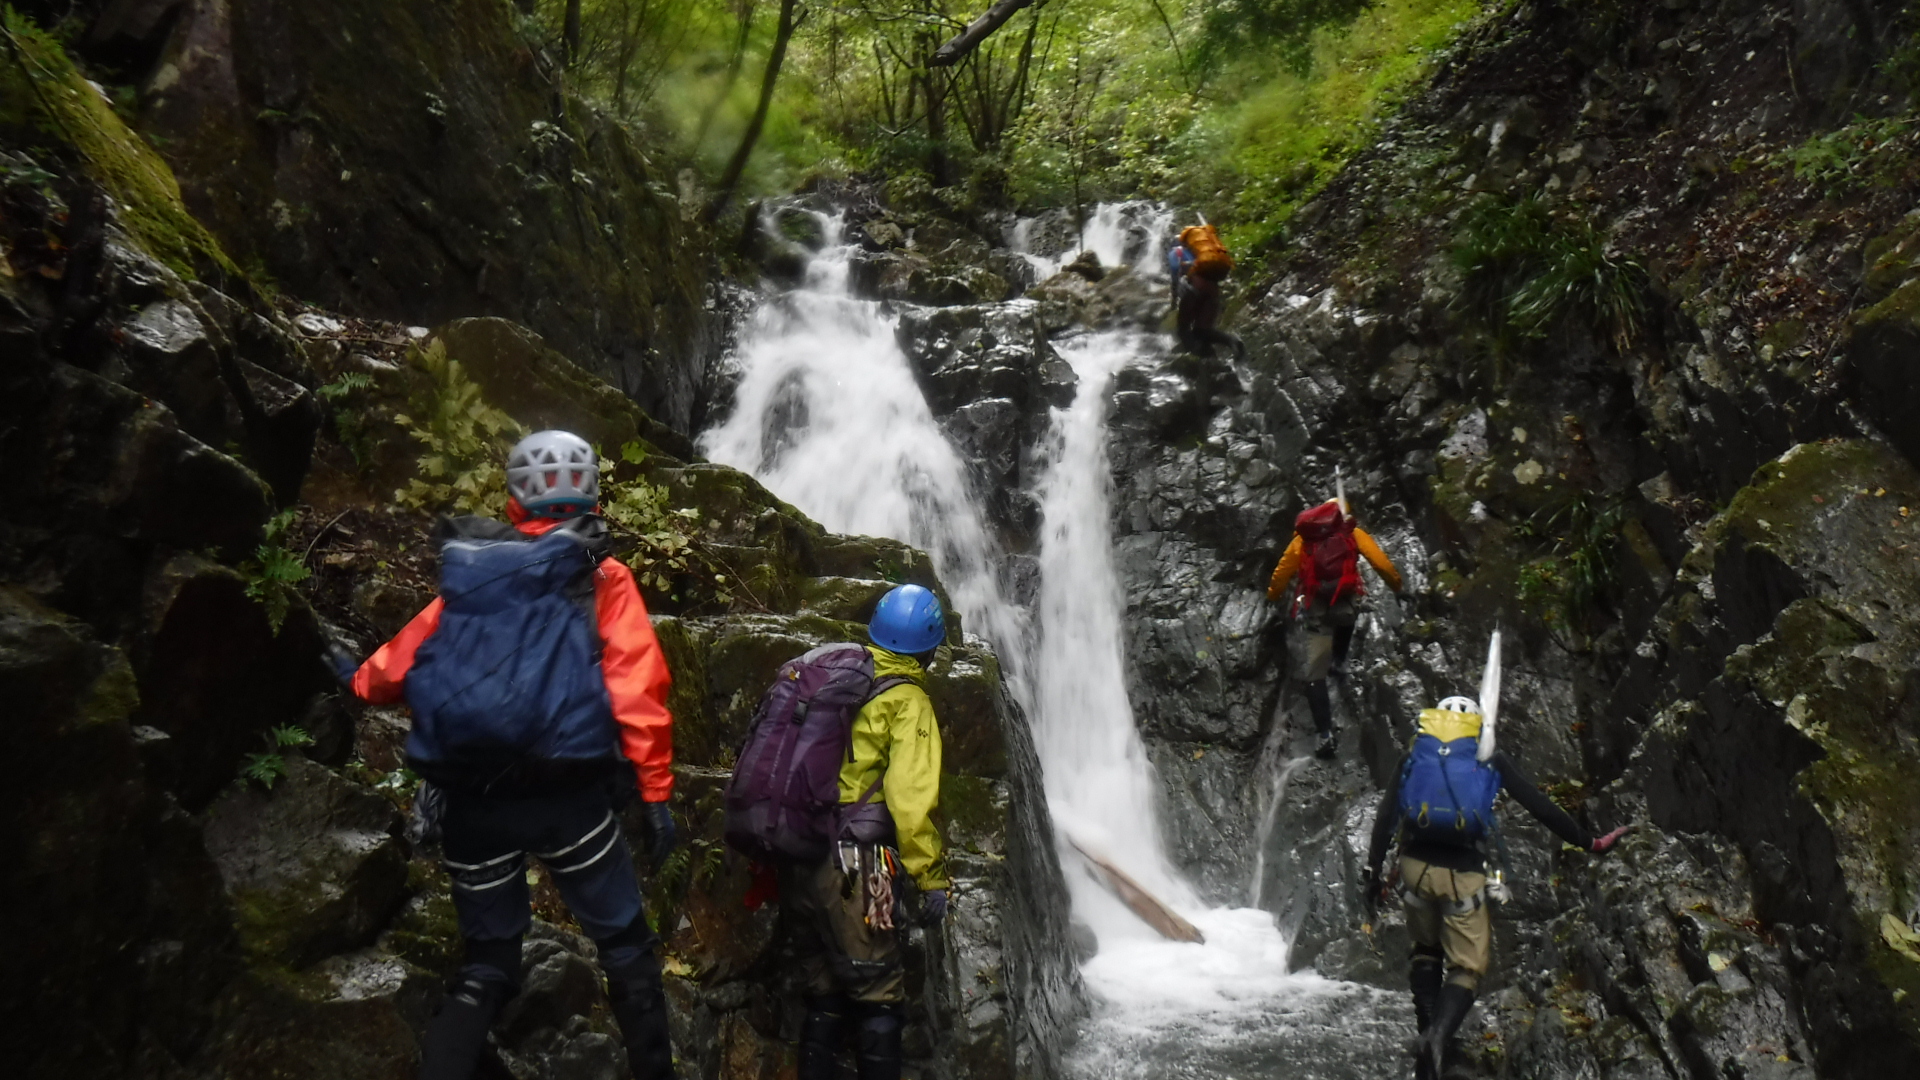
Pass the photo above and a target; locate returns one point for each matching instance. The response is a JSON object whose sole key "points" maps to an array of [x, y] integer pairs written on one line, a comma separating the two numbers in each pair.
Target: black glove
{"points": [[662, 835], [933, 906], [342, 662]]}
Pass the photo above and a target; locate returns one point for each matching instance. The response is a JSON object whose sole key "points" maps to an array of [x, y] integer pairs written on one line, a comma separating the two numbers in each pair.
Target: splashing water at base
{"points": [[828, 415]]}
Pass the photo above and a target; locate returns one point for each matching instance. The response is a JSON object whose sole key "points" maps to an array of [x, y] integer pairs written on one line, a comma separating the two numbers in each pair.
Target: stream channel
{"points": [[829, 415]]}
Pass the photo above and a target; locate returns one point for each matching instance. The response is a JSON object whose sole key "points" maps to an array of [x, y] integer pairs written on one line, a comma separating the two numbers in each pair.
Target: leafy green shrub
{"points": [[464, 440], [666, 545], [1852, 157], [273, 571], [1525, 271]]}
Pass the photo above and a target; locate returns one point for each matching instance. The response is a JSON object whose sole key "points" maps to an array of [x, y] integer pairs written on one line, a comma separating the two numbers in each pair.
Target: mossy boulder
{"points": [[315, 865]]}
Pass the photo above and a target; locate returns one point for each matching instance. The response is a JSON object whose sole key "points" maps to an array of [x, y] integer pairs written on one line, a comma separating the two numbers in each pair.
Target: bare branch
{"points": [[964, 42]]}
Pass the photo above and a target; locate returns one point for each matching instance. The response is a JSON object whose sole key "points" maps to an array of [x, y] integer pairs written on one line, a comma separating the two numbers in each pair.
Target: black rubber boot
{"points": [[639, 1005], [1455, 1000], [1320, 704], [1424, 978], [1342, 645], [458, 1031], [877, 1042], [821, 1034]]}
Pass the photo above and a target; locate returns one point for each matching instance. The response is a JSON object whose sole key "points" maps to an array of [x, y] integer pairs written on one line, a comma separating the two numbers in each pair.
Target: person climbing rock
{"points": [[1439, 809], [1196, 265], [843, 908], [538, 693], [1324, 557]]}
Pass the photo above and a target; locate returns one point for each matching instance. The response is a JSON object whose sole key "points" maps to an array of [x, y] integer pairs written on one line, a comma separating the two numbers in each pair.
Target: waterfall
{"points": [[828, 415]]}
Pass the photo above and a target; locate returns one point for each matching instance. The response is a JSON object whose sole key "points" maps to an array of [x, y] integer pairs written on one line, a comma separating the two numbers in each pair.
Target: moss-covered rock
{"points": [[315, 865]]}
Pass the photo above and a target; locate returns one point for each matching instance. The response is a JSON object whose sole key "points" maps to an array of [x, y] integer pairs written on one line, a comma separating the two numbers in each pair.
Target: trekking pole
{"points": [[1340, 493]]}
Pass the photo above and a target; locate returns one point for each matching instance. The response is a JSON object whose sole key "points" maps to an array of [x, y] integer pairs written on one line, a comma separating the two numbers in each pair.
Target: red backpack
{"points": [[1329, 559]]}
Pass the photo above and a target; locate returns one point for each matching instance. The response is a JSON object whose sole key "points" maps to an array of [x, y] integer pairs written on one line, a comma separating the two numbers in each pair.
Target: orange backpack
{"points": [[1210, 258]]}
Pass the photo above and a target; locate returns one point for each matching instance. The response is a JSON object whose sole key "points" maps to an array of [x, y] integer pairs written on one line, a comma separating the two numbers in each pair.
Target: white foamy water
{"points": [[828, 415]]}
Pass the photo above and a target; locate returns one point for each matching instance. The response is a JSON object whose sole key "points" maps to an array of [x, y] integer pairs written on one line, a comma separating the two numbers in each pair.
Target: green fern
{"points": [[264, 769], [273, 572], [352, 382]]}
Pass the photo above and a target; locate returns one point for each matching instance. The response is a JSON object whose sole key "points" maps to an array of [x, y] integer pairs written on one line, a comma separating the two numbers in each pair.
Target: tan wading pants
{"points": [[1311, 642], [1447, 909], [838, 951]]}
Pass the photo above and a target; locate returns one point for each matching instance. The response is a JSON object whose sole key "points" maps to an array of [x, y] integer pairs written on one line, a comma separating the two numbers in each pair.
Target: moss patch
{"points": [[44, 97]]}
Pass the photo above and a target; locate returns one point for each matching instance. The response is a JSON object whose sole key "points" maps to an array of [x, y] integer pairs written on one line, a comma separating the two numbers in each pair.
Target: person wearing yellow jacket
{"points": [[844, 909], [1323, 564]]}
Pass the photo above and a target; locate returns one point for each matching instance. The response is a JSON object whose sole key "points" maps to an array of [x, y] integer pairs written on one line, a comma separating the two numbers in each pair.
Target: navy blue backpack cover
{"points": [[507, 693], [1446, 793]]}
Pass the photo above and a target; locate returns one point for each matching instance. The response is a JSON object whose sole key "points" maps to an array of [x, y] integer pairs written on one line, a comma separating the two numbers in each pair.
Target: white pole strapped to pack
{"points": [[1489, 697], [1340, 492]]}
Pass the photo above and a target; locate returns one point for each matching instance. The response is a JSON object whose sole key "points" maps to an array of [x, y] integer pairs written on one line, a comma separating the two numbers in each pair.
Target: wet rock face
{"points": [[407, 161]]}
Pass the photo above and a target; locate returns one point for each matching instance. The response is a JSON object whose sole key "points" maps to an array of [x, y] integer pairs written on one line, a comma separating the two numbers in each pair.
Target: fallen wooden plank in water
{"points": [[1144, 904]]}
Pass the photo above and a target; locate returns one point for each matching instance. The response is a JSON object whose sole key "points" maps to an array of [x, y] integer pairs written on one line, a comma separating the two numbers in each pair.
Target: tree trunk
{"points": [[570, 31], [963, 43], [790, 19]]}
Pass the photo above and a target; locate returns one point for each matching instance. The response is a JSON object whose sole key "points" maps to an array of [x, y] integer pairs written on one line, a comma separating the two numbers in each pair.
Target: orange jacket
{"points": [[630, 660], [1290, 564]]}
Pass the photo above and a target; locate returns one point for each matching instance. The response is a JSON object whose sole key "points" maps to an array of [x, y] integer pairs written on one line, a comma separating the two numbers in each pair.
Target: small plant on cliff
{"points": [[666, 546], [464, 440], [1846, 159], [273, 571], [264, 769], [352, 382], [1526, 270], [1576, 578]]}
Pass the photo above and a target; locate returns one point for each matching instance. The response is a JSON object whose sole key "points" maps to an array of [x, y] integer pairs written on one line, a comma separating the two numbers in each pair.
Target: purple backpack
{"points": [[783, 799]]}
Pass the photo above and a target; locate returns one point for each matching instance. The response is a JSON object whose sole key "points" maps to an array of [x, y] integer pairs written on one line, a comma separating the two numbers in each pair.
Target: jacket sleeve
{"points": [[1386, 822], [637, 678], [1521, 788], [1377, 557], [1283, 573], [382, 679], [912, 785]]}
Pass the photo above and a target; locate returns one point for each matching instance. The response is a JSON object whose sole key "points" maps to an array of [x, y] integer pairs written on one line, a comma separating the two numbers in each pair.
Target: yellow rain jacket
{"points": [[896, 733]]}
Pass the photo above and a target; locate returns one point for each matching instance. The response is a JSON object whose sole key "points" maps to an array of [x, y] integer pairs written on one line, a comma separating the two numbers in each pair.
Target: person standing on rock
{"points": [[1323, 560], [1439, 808], [842, 908], [1196, 265], [538, 693]]}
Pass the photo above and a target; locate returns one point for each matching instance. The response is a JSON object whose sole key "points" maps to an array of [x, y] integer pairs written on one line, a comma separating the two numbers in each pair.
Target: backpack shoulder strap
{"points": [[881, 686]]}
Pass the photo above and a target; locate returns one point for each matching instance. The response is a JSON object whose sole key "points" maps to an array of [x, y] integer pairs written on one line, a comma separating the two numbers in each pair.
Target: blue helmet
{"points": [[908, 620]]}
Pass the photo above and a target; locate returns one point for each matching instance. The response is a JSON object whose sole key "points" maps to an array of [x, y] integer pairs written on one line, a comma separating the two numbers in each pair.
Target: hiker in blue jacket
{"points": [[1439, 807]]}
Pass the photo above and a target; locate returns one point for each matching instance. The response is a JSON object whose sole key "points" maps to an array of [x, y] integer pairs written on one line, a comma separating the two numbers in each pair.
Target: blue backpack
{"points": [[1446, 793], [507, 694]]}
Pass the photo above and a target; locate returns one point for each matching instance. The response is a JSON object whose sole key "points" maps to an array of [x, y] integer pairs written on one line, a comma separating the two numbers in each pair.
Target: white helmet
{"points": [[1460, 704], [553, 474]]}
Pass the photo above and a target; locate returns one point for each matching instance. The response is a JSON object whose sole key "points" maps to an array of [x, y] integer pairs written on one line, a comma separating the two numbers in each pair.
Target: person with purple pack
{"points": [[834, 790]]}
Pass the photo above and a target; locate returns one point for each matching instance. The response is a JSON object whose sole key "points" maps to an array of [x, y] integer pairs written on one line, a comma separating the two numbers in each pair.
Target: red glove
{"points": [[1602, 844]]}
